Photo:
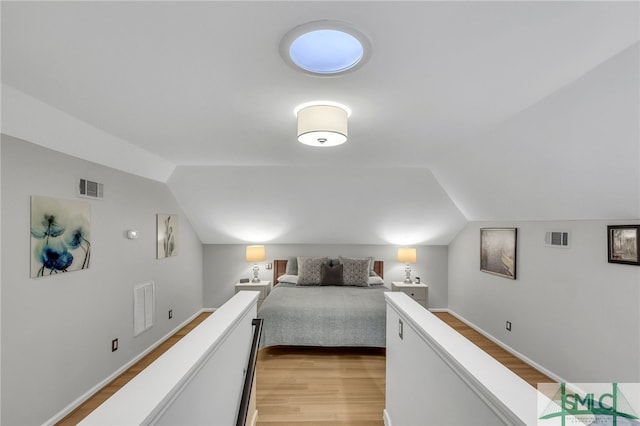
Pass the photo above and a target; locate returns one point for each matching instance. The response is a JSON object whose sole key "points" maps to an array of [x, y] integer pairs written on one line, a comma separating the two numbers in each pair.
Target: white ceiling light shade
{"points": [[322, 123], [325, 48]]}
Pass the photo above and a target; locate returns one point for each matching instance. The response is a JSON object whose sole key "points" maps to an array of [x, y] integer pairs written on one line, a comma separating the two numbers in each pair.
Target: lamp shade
{"points": [[407, 255], [322, 125], [255, 254]]}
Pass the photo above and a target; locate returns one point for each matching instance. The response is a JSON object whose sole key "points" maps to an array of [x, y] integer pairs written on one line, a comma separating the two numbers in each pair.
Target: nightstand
{"points": [[263, 287], [418, 292]]}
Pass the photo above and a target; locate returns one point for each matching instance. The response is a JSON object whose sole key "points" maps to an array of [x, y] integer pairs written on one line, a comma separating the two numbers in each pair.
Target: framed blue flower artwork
{"points": [[60, 236], [167, 226]]}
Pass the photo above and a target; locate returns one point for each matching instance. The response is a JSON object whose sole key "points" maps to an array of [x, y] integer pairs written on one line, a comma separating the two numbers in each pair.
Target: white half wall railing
{"points": [[197, 381], [435, 376]]}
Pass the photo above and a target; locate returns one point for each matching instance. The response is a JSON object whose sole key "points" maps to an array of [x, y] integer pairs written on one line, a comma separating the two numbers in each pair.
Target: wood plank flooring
{"points": [[320, 386], [316, 386], [103, 394], [345, 387], [521, 368]]}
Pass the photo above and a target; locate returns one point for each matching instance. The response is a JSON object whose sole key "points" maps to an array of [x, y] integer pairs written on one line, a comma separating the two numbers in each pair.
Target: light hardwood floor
{"points": [[320, 386], [346, 386], [521, 368], [317, 386]]}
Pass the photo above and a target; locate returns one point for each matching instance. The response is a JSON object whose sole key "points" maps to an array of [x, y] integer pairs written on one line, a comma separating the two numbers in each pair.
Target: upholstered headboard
{"points": [[280, 266]]}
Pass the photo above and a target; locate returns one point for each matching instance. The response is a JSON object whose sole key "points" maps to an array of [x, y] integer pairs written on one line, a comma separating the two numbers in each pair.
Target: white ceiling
{"points": [[449, 86]]}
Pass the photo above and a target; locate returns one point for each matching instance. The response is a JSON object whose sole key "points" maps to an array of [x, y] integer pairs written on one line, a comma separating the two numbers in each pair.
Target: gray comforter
{"points": [[323, 316]]}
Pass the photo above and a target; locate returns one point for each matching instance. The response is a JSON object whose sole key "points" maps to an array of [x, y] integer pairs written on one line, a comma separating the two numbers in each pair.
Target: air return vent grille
{"points": [[556, 239], [90, 189]]}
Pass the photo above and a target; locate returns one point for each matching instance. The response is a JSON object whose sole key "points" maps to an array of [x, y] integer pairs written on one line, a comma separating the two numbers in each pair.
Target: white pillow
{"points": [[375, 280], [288, 279]]}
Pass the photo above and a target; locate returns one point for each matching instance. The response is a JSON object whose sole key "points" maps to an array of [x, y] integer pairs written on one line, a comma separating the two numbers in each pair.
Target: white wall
{"points": [[57, 331], [572, 312], [198, 381], [224, 265], [0, 285]]}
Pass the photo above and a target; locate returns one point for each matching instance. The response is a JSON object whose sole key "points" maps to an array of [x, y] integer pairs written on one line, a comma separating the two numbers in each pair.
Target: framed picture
{"points": [[623, 244], [167, 228], [60, 236], [498, 251]]}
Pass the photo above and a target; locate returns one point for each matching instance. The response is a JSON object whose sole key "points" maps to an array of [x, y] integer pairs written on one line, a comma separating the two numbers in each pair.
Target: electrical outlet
{"points": [[508, 325], [114, 345], [400, 328], [170, 313]]}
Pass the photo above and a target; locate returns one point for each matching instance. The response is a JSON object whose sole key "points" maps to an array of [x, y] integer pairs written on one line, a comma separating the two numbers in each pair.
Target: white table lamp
{"points": [[255, 254], [407, 255]]}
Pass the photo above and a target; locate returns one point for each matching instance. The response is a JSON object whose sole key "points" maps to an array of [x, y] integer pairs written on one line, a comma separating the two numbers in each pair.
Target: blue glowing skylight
{"points": [[326, 51]]}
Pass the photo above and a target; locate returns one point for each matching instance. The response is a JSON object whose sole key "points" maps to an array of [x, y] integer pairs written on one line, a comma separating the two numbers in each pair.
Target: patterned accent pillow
{"points": [[309, 270], [356, 271], [372, 262], [331, 275]]}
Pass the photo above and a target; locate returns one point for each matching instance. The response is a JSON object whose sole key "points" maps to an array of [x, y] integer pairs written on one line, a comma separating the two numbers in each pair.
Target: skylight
{"points": [[326, 51], [325, 48]]}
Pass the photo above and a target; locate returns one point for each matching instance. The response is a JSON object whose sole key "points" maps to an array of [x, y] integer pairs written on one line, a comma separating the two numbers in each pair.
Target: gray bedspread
{"points": [[324, 316]]}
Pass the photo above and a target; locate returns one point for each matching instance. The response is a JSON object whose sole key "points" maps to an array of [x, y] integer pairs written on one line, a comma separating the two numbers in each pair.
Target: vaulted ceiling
{"points": [[465, 111]]}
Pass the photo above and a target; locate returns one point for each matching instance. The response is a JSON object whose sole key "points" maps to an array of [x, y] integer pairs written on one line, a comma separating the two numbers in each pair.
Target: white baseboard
{"points": [[254, 418], [386, 418], [81, 399], [504, 346]]}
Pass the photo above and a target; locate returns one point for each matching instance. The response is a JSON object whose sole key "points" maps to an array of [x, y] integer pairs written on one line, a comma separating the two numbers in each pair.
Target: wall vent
{"points": [[90, 189], [556, 239], [143, 307]]}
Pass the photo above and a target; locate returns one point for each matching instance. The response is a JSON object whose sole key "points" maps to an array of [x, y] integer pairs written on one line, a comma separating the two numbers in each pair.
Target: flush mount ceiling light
{"points": [[325, 48], [322, 123]]}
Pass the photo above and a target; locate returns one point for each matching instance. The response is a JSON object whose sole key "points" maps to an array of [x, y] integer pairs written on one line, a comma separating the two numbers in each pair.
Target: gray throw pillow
{"points": [[292, 266], [309, 270], [355, 272], [331, 275], [372, 273]]}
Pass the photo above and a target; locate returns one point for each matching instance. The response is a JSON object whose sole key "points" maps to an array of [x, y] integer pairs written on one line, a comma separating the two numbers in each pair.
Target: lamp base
{"points": [[256, 269], [407, 274]]}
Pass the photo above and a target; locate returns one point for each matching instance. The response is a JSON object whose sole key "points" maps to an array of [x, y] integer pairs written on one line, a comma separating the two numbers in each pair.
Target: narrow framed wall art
{"points": [[167, 231]]}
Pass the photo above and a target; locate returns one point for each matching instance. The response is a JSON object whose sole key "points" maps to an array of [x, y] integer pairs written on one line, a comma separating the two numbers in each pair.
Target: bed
{"points": [[303, 314]]}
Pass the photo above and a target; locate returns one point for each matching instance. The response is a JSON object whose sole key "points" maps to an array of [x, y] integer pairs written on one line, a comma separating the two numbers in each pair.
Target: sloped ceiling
{"points": [[332, 205], [465, 111]]}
